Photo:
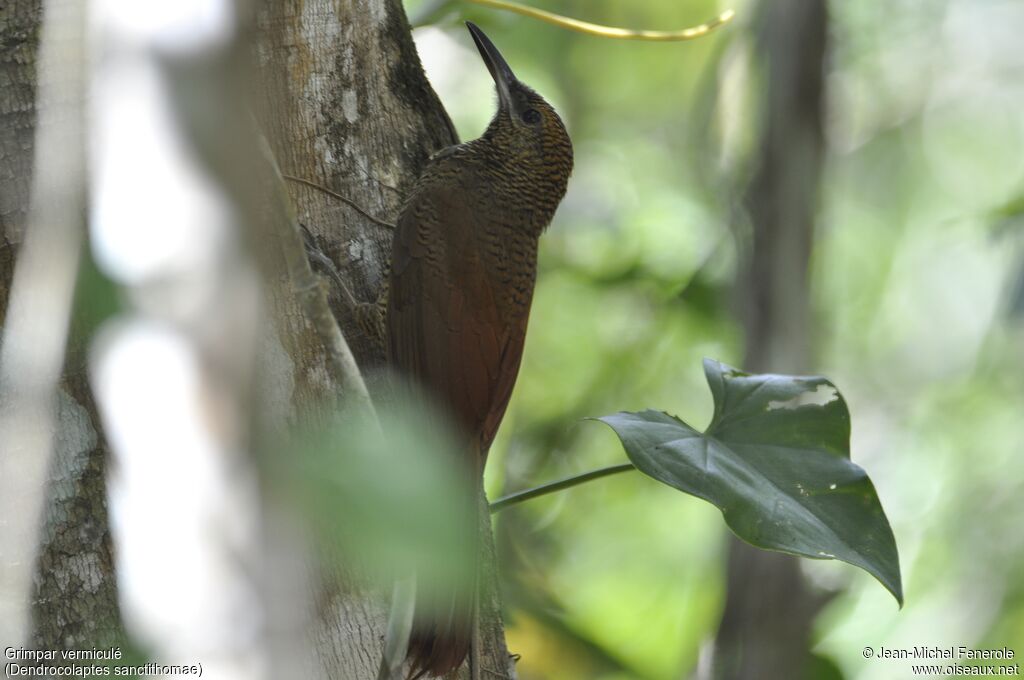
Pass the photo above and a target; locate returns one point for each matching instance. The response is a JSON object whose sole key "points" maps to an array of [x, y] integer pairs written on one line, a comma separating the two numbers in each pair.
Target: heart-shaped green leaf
{"points": [[776, 461]]}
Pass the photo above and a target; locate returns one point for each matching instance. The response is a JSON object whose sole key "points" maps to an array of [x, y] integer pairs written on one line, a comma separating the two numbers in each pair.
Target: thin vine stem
{"points": [[344, 199], [571, 24], [560, 485]]}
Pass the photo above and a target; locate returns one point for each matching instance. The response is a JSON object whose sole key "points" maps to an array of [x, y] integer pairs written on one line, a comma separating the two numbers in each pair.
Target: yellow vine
{"points": [[609, 31]]}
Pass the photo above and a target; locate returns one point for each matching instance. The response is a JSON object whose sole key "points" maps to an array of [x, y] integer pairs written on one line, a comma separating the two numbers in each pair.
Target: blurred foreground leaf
{"points": [[776, 461], [391, 498]]}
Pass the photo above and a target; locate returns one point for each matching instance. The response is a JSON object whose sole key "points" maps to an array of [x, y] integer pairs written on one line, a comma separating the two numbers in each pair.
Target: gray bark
{"points": [[19, 43], [765, 628], [353, 112], [75, 604]]}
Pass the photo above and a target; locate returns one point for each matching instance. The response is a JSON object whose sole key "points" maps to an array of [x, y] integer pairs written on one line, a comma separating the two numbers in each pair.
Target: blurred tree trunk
{"points": [[74, 599], [765, 628]]}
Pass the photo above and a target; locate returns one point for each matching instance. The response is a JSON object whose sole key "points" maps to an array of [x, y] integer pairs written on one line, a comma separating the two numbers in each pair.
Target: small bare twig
{"points": [[344, 199]]}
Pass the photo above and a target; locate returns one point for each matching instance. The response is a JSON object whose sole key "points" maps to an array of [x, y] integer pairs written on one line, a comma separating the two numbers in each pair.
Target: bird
{"points": [[462, 275]]}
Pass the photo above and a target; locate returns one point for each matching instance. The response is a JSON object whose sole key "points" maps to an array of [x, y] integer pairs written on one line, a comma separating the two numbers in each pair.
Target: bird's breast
{"points": [[508, 262]]}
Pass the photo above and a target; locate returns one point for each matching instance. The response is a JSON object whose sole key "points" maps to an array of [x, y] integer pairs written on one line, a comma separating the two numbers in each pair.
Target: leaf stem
{"points": [[609, 31], [552, 487]]}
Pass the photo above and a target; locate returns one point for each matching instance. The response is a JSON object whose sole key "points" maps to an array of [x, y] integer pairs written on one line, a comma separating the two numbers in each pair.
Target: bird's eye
{"points": [[531, 116]]}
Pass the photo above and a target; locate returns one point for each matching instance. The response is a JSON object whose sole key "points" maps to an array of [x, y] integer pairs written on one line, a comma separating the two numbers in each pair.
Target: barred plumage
{"points": [[463, 269]]}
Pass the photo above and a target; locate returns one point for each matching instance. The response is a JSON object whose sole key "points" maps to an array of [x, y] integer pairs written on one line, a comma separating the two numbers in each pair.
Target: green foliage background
{"points": [[918, 294]]}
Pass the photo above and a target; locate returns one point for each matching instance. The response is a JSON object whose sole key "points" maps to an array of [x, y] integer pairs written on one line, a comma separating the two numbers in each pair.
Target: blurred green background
{"points": [[917, 308]]}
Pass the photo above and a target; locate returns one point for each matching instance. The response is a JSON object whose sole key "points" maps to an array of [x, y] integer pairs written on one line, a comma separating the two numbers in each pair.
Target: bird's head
{"points": [[526, 126]]}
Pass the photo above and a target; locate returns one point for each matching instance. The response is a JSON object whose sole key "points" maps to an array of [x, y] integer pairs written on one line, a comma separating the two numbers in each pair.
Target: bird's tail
{"points": [[440, 643], [445, 614]]}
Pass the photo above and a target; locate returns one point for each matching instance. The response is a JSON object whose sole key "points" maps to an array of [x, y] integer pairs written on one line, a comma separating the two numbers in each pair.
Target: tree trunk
{"points": [[19, 43], [349, 108], [74, 601], [765, 629]]}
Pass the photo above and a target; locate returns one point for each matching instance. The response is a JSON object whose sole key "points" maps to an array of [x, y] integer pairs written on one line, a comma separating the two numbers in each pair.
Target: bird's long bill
{"points": [[496, 64]]}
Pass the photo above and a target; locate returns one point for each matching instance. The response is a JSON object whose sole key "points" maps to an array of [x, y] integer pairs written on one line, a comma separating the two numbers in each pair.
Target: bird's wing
{"points": [[512, 354], [446, 329]]}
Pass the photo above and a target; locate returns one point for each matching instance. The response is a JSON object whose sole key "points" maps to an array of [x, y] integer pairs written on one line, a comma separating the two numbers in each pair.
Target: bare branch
{"points": [[347, 201]]}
